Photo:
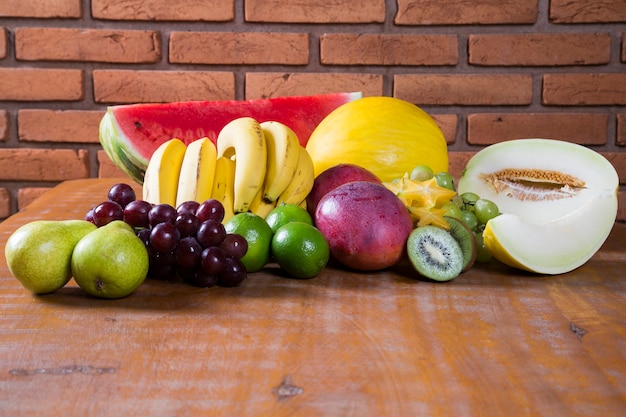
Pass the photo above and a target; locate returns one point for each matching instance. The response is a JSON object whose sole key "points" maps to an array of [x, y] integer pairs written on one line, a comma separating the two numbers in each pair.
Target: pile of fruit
{"points": [[366, 190]]}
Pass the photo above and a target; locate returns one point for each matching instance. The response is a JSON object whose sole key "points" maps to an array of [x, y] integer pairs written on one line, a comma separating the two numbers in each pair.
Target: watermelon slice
{"points": [[130, 134]]}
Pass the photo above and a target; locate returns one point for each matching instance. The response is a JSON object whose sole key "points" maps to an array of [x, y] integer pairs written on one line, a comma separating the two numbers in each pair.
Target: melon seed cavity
{"points": [[534, 184]]}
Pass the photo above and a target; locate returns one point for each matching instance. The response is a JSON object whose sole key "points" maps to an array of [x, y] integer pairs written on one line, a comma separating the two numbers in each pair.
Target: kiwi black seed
{"points": [[464, 235], [435, 253]]}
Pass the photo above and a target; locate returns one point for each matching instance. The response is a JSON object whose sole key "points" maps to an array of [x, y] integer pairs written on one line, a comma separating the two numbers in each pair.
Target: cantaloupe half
{"points": [[558, 199]]}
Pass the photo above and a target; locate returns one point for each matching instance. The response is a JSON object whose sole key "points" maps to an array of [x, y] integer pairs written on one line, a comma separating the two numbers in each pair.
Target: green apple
{"points": [[38, 253], [110, 262]]}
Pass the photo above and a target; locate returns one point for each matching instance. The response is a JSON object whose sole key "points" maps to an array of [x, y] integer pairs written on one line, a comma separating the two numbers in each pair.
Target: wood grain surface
{"points": [[492, 342]]}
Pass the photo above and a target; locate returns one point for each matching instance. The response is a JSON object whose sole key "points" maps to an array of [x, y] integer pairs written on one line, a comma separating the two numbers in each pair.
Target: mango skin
{"points": [[39, 253]]}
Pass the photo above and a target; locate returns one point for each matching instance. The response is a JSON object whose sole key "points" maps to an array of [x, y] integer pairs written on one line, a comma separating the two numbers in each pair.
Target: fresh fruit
{"points": [[258, 235], [110, 262], [385, 135], [287, 213], [301, 182], [558, 199], [421, 173], [195, 180], [435, 253], [224, 185], [243, 141], [162, 174], [365, 224], [38, 253], [332, 178], [283, 149], [300, 249], [466, 240], [130, 134], [122, 194]]}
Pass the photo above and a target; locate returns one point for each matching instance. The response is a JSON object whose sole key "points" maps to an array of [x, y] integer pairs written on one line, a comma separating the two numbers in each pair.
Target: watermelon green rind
{"points": [[134, 131]]}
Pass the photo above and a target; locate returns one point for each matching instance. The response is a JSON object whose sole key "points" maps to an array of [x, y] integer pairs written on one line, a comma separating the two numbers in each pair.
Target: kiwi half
{"points": [[435, 253], [464, 235]]}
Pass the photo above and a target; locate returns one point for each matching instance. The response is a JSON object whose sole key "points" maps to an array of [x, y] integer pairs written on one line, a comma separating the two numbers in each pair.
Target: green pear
{"points": [[110, 262], [38, 253]]}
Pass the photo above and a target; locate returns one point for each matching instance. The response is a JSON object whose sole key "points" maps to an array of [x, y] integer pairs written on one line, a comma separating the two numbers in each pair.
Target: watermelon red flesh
{"points": [[146, 126]]}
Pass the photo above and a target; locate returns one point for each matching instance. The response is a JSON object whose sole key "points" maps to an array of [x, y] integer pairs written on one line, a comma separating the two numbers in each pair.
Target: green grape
{"points": [[452, 210], [470, 219], [469, 200], [482, 253], [421, 173], [458, 201], [485, 210], [446, 180]]}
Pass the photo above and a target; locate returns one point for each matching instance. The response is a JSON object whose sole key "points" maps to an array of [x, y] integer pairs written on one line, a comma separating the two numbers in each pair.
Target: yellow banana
{"points": [[161, 179], [197, 172], [282, 158], [301, 182], [242, 140], [223, 184], [260, 206]]}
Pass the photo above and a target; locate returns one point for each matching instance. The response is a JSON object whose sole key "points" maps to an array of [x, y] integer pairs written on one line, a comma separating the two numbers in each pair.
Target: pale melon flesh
{"points": [[558, 199]]}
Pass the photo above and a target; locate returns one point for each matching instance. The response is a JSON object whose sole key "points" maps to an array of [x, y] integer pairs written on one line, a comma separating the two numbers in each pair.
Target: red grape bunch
{"points": [[188, 241]]}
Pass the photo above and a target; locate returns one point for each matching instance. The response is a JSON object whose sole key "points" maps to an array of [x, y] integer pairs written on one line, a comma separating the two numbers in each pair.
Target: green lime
{"points": [[300, 249], [257, 233], [286, 213]]}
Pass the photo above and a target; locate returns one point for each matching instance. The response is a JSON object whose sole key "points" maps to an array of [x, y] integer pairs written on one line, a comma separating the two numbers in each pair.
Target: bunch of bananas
{"points": [[254, 167]]}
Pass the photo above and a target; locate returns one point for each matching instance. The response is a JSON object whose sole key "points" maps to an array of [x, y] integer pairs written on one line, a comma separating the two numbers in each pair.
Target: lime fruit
{"points": [[257, 233], [286, 213], [300, 249]]}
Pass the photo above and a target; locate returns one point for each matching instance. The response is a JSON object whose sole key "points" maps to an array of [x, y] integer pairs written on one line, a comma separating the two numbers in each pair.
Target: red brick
{"points": [[3, 43], [388, 49], [468, 89], [582, 128], [457, 162], [155, 10], [43, 164], [99, 45], [448, 123], [5, 203], [315, 11], [40, 84], [585, 11], [43, 9], [465, 12], [27, 195], [239, 48], [618, 159], [107, 169], [4, 125], [621, 130], [547, 49], [71, 126], [623, 47], [129, 86], [621, 206], [276, 84], [584, 89]]}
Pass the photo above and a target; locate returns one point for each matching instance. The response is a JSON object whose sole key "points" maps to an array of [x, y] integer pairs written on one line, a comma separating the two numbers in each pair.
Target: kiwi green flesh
{"points": [[466, 239], [435, 253]]}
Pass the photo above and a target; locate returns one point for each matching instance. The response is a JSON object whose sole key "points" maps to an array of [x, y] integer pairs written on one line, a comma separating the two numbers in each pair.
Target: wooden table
{"points": [[493, 342]]}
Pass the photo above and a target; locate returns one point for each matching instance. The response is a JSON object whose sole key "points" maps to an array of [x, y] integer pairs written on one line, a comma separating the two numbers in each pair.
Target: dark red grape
{"points": [[89, 215], [106, 212], [204, 280], [144, 236], [188, 253], [210, 233], [210, 209], [234, 246], [188, 207], [164, 237], [212, 260], [233, 274], [187, 224], [122, 194], [161, 213], [136, 213], [162, 265]]}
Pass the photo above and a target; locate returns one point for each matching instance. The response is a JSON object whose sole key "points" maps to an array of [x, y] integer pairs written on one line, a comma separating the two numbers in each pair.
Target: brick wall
{"points": [[487, 71]]}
